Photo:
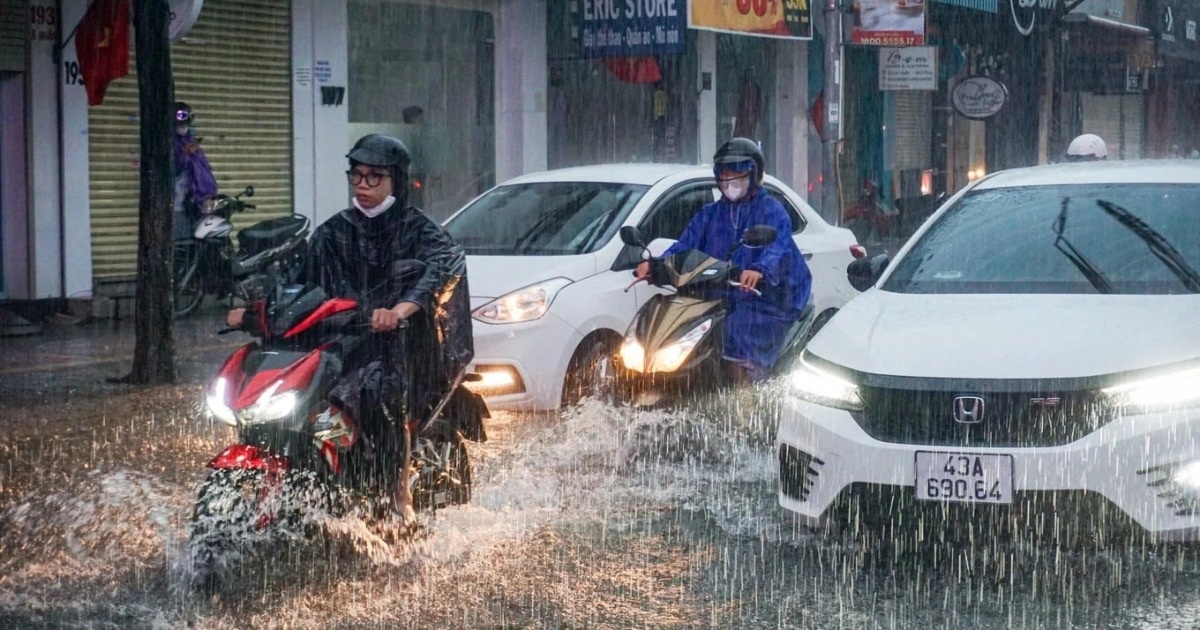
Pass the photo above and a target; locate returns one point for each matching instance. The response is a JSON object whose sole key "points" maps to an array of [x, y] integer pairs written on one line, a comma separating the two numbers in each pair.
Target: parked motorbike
{"points": [[297, 454], [209, 264], [676, 341]]}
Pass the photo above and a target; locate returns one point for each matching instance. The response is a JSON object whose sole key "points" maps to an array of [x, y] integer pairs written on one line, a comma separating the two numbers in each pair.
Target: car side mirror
{"points": [[759, 236], [631, 236], [865, 272]]}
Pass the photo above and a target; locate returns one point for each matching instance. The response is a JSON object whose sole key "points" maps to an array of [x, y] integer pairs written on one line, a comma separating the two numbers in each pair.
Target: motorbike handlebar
{"points": [[735, 283]]}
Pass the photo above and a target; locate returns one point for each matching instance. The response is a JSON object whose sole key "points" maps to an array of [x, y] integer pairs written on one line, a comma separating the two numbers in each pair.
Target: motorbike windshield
{"points": [[545, 219], [1077, 238]]}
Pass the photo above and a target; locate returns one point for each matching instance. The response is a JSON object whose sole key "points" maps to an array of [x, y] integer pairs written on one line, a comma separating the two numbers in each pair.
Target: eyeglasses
{"points": [[373, 179]]}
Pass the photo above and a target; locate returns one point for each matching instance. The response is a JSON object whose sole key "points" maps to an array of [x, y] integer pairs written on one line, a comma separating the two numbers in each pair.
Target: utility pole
{"points": [[830, 205]]}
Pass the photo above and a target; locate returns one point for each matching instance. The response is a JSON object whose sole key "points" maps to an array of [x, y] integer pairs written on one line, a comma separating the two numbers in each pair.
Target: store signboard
{"points": [[979, 97], [888, 22], [791, 19], [910, 68], [1177, 30], [626, 28]]}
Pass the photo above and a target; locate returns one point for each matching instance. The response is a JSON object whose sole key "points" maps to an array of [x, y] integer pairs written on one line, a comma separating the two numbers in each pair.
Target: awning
{"points": [[979, 5], [1131, 30]]}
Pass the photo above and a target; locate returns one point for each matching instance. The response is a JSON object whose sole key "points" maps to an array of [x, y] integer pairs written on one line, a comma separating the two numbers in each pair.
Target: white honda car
{"points": [[1036, 343], [548, 272]]}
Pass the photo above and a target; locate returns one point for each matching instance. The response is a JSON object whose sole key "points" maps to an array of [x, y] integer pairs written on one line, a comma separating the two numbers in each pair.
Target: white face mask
{"points": [[377, 210], [734, 189]]}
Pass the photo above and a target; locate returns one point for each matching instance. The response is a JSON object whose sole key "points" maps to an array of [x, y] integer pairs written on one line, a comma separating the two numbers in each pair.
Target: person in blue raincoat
{"points": [[756, 327], [194, 181]]}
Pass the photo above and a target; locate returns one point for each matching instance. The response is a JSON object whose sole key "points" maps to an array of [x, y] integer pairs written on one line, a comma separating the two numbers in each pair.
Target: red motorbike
{"points": [[298, 456]]}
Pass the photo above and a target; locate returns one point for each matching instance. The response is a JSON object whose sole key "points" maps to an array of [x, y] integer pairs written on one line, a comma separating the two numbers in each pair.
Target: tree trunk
{"points": [[154, 354]]}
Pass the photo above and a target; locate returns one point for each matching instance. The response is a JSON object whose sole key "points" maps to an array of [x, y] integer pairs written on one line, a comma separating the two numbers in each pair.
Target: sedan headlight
{"points": [[1178, 388], [522, 305], [818, 386]]}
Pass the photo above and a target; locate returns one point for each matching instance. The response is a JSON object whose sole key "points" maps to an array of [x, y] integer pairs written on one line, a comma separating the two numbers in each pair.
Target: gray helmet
{"points": [[377, 149], [738, 150]]}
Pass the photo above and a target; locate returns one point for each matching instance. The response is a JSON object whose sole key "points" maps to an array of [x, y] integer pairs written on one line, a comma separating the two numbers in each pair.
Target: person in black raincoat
{"points": [[354, 255]]}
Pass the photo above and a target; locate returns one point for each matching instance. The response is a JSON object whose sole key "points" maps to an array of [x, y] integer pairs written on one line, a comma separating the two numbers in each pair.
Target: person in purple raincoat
{"points": [[757, 326], [194, 181]]}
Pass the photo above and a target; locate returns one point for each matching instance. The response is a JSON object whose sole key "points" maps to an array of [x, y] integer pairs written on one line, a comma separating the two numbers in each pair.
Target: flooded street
{"points": [[599, 518]]}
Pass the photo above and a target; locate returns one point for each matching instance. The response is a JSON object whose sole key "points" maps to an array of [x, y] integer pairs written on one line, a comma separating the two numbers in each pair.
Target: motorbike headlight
{"points": [[818, 386], [669, 357], [215, 401], [270, 405], [522, 305], [1180, 388], [633, 355]]}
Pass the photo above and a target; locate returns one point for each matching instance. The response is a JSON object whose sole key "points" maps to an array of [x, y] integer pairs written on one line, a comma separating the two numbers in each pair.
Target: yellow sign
{"points": [[769, 18]]}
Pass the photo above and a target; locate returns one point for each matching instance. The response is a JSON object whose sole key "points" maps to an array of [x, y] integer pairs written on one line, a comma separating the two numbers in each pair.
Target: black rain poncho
{"points": [[351, 255]]}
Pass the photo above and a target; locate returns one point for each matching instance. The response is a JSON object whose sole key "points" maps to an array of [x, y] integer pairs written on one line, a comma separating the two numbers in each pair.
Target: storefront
{"points": [[14, 53], [232, 68], [1174, 101]]}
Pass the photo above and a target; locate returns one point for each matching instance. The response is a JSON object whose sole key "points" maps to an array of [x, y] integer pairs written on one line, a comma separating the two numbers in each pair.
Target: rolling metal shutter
{"points": [[1118, 119], [234, 69], [14, 26]]}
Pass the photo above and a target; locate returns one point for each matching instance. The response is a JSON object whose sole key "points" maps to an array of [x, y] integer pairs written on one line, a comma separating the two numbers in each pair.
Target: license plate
{"points": [[964, 477]]}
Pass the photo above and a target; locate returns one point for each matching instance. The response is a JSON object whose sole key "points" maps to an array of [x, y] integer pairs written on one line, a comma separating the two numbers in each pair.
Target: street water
{"points": [[599, 517]]}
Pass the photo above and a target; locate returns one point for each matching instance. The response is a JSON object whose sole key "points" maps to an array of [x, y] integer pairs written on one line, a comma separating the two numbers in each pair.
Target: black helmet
{"points": [[738, 150], [183, 113], [376, 149]]}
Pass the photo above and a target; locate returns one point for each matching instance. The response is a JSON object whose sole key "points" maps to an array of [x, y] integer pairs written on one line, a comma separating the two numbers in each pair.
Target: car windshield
{"points": [[1127, 238], [545, 219]]}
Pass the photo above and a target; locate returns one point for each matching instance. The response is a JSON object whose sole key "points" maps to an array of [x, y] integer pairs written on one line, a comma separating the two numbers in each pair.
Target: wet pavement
{"points": [[73, 359]]}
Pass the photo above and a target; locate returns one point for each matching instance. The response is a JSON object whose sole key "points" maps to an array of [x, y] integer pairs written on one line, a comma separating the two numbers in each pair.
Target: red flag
{"points": [[634, 69], [102, 45]]}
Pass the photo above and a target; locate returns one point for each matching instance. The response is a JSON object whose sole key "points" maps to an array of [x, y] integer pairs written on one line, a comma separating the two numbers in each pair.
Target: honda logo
{"points": [[968, 409]]}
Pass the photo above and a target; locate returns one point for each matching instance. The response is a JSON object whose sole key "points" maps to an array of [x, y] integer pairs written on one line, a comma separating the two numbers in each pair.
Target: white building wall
{"points": [[791, 114], [59, 201], [706, 49], [520, 88]]}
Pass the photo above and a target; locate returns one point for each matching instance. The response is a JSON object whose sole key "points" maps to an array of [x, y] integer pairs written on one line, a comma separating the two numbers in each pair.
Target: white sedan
{"points": [[548, 272], [1032, 352]]}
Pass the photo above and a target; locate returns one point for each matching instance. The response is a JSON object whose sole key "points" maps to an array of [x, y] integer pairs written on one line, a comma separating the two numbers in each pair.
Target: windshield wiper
{"points": [[1158, 244], [1085, 266]]}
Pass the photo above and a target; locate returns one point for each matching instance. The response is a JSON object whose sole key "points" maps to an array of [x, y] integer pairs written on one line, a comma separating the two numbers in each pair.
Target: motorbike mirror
{"points": [[759, 236], [865, 272], [631, 236], [249, 192]]}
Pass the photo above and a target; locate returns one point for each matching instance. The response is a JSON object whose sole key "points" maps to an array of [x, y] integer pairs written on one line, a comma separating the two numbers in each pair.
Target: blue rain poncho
{"points": [[756, 327]]}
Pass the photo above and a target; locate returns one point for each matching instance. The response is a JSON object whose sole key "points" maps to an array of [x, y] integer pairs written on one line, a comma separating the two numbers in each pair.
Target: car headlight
{"points": [[1177, 388], [215, 401], [668, 358], [522, 305], [818, 386]]}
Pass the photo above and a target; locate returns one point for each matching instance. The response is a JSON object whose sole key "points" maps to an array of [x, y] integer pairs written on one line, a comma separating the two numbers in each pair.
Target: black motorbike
{"points": [[209, 264], [674, 345], [299, 454]]}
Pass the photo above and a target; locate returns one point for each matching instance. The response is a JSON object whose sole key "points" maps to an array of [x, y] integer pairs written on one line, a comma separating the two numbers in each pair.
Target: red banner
{"points": [[102, 45]]}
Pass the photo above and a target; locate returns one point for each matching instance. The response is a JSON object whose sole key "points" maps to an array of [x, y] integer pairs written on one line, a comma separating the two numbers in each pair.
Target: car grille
{"points": [[1009, 418], [1184, 501]]}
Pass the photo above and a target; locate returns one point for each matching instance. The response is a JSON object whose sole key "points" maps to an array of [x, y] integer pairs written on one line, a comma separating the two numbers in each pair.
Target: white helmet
{"points": [[1087, 147]]}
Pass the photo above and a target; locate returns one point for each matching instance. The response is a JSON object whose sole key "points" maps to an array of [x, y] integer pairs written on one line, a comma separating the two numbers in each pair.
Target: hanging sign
{"points": [[184, 14], [979, 97], [767, 18], [888, 22], [913, 68], [608, 28]]}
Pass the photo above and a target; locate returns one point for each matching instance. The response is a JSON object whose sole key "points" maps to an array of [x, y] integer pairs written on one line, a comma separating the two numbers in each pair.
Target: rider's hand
{"points": [[643, 270], [749, 280], [234, 318], [384, 319]]}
